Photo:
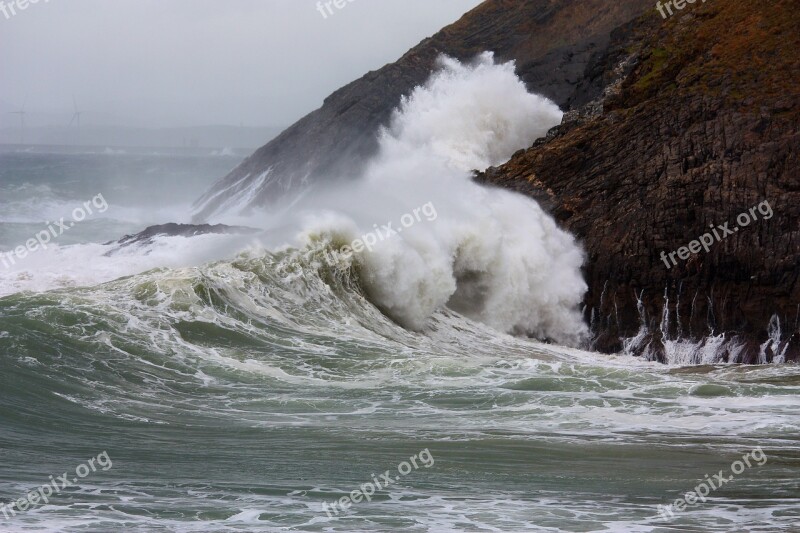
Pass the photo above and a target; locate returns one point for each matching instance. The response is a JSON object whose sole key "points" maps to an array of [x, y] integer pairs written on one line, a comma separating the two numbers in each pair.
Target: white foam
{"points": [[491, 254], [80, 265]]}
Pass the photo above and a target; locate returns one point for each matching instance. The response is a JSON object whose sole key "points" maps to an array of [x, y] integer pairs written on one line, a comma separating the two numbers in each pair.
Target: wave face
{"points": [[492, 255]]}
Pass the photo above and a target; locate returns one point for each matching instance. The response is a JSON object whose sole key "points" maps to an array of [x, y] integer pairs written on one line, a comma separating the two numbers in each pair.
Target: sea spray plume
{"points": [[474, 115], [492, 255]]}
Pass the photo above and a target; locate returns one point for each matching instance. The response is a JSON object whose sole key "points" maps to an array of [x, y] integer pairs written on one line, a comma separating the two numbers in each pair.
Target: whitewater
{"points": [[239, 382]]}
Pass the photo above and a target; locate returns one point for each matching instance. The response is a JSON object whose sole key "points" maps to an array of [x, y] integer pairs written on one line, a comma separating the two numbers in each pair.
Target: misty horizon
{"points": [[180, 65]]}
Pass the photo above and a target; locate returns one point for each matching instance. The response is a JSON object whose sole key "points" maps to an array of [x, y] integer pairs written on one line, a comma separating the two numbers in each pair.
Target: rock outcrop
{"points": [[148, 235], [698, 124], [552, 42]]}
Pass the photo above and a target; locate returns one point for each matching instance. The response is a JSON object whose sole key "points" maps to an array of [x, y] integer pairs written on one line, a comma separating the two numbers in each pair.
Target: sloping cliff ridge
{"points": [[699, 125], [552, 41]]}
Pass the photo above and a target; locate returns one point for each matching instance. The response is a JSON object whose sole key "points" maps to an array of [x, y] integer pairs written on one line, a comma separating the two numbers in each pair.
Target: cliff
{"points": [[698, 124], [552, 42]]}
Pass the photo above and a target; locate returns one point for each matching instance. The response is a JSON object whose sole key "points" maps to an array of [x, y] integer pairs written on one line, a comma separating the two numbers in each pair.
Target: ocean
{"points": [[225, 383]]}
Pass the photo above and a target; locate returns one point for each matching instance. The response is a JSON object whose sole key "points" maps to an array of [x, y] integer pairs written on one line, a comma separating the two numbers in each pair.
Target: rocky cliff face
{"points": [[552, 42], [697, 125]]}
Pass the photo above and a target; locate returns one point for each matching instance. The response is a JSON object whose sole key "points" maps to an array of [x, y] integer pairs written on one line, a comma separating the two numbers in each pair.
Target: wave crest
{"points": [[491, 255]]}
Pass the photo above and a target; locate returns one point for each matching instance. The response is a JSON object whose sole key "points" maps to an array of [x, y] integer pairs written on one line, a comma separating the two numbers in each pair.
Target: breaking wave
{"points": [[492, 255]]}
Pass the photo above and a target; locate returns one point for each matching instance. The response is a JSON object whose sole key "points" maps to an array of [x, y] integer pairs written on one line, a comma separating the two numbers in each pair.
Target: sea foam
{"points": [[492, 255]]}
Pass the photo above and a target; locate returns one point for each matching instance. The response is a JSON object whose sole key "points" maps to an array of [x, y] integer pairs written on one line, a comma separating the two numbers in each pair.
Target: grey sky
{"points": [[161, 63]]}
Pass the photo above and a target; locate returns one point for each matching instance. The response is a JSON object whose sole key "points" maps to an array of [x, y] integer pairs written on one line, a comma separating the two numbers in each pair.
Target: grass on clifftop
{"points": [[746, 53]]}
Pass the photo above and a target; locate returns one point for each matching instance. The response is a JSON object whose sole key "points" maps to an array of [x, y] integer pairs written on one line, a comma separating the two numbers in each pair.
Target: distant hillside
{"points": [[202, 137]]}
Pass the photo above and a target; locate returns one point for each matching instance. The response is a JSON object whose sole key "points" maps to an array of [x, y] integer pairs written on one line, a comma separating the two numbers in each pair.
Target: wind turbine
{"points": [[21, 114], [76, 119], [76, 116]]}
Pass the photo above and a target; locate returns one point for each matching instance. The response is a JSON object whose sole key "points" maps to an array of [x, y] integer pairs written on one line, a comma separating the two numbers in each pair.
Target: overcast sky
{"points": [[169, 63]]}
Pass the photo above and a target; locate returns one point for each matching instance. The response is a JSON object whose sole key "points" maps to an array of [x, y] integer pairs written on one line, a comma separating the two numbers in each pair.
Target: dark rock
{"points": [[177, 230]]}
